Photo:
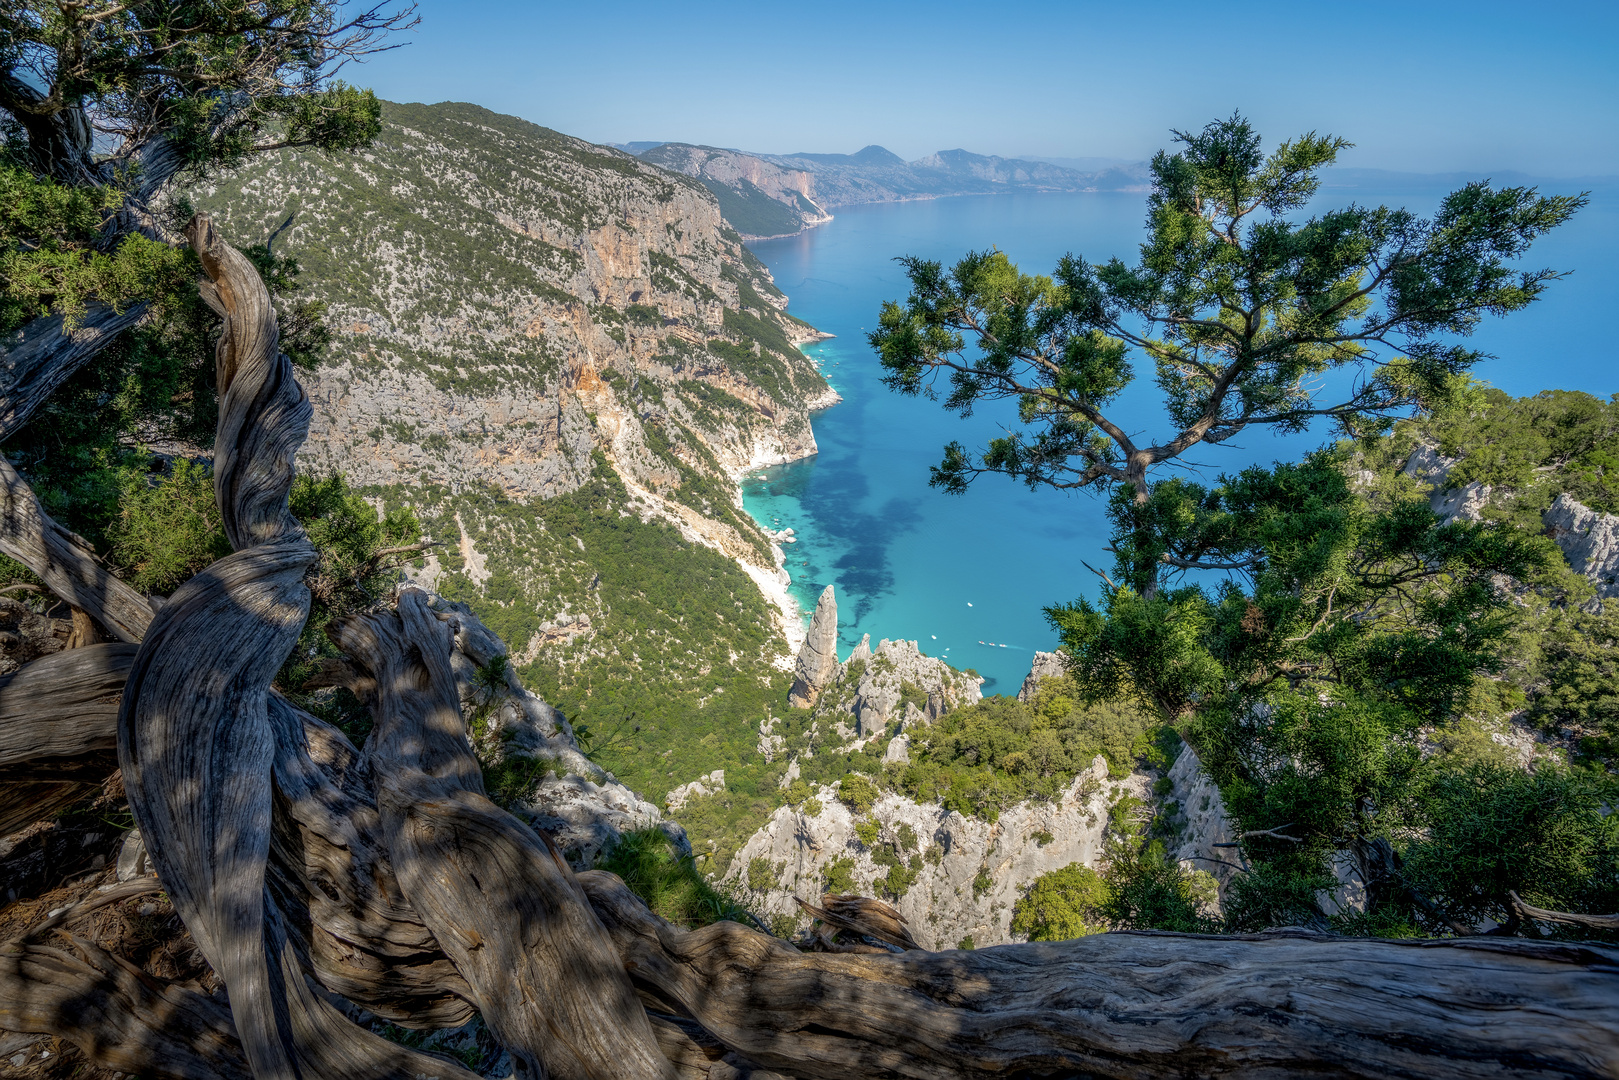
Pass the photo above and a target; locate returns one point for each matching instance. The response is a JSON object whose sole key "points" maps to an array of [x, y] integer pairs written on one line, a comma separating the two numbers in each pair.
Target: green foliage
{"points": [[762, 874], [840, 875], [982, 883], [167, 530], [212, 84], [1547, 835], [1066, 903], [49, 261], [1535, 447], [355, 568], [82, 449], [1334, 593], [1576, 684], [752, 212], [867, 832], [857, 792], [1147, 890], [670, 883], [511, 778], [1239, 308], [991, 755], [966, 943]]}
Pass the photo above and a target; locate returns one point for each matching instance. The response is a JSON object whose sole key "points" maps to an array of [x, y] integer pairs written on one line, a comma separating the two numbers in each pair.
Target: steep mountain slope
{"points": [[772, 194], [758, 198], [560, 357]]}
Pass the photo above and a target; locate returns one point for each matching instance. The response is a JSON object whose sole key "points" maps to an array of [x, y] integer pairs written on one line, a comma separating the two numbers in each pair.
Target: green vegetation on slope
{"points": [[751, 212]]}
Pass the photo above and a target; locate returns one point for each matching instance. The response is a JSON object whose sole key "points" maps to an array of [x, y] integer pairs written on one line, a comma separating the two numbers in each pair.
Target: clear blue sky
{"points": [[1426, 87]]}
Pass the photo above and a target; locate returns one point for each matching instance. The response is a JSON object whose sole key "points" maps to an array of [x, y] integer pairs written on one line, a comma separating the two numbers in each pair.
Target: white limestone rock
{"points": [[894, 682], [1203, 819], [968, 873], [1047, 665], [818, 659], [712, 784], [1590, 541]]}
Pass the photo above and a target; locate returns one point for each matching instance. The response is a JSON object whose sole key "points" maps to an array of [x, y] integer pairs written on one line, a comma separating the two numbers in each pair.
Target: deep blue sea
{"points": [[967, 576]]}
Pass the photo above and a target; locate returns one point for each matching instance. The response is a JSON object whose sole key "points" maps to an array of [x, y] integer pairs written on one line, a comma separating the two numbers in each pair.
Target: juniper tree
{"points": [[102, 105], [1321, 630], [1247, 317]]}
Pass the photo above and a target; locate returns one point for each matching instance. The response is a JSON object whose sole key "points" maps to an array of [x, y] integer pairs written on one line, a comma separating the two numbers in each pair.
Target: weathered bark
{"points": [[545, 978], [64, 562], [1136, 1004], [1118, 1005], [1570, 918], [194, 737], [43, 354], [58, 730], [119, 1016], [329, 871], [63, 705]]}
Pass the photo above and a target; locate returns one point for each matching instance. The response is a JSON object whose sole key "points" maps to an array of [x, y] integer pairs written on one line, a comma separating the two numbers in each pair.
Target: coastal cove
{"points": [[968, 577]]}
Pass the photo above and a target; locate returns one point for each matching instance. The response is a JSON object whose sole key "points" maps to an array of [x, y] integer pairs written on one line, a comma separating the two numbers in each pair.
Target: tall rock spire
{"points": [[818, 659]]}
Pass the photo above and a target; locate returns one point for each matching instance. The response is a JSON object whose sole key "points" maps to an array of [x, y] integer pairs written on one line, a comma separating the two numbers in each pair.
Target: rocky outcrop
{"points": [[818, 658], [712, 784], [1047, 665], [954, 876], [1428, 466], [1199, 814], [894, 682], [514, 309], [758, 197], [1589, 540]]}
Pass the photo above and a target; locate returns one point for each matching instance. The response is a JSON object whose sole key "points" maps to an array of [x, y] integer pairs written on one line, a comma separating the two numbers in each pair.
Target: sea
{"points": [[968, 576]]}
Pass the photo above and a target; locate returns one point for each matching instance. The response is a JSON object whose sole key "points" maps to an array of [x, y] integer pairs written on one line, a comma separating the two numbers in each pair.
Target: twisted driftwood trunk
{"points": [[310, 874]]}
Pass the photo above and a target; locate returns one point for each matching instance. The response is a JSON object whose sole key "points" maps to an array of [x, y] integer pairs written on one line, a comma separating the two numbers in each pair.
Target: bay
{"points": [[968, 577]]}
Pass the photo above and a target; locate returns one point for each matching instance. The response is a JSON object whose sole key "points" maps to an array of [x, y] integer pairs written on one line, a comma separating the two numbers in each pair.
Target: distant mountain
{"points": [[780, 194], [635, 147], [1082, 164]]}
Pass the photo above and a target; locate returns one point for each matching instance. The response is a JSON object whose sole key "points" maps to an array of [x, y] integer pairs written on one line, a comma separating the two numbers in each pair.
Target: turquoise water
{"points": [[967, 577]]}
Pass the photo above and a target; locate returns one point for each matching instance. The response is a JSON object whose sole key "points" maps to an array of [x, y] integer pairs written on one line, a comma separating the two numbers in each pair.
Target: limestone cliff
{"points": [[758, 197], [894, 682], [951, 876], [508, 299], [1589, 540], [538, 343]]}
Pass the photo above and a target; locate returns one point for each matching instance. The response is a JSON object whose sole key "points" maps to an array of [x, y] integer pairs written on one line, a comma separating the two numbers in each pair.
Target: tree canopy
{"points": [[1239, 308], [1303, 626]]}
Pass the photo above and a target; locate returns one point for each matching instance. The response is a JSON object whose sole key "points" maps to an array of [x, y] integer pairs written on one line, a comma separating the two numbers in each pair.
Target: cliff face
{"points": [[758, 197], [560, 358], [500, 293], [954, 877]]}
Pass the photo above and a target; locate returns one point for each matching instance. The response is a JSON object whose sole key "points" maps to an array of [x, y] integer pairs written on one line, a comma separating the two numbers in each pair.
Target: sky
{"points": [[1422, 87]]}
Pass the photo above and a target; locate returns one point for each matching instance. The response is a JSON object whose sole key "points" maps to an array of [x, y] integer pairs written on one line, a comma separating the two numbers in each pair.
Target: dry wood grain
{"points": [[64, 562], [195, 741], [41, 356], [1136, 1004], [501, 901]]}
